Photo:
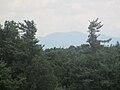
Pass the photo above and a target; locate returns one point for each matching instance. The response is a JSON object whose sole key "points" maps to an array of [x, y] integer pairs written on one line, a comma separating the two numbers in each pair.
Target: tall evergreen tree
{"points": [[93, 37], [9, 36], [29, 42]]}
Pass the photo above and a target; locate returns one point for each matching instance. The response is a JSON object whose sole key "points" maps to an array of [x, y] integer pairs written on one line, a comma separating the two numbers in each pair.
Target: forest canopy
{"points": [[24, 65]]}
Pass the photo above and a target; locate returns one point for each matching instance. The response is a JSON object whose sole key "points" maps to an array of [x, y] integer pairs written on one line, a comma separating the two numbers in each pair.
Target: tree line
{"points": [[24, 65]]}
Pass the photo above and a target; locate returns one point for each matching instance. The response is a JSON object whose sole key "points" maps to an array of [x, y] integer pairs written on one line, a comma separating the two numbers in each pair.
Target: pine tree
{"points": [[93, 37]]}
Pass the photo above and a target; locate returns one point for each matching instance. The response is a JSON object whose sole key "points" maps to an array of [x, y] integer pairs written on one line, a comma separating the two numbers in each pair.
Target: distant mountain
{"points": [[65, 39]]}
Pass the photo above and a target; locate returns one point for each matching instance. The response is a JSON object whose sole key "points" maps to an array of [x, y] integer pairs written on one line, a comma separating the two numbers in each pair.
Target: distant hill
{"points": [[66, 39]]}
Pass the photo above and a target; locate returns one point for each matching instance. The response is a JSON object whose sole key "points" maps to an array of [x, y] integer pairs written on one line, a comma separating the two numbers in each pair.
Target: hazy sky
{"points": [[64, 15]]}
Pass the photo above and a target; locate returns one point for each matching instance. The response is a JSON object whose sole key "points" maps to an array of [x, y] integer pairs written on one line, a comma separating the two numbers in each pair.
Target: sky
{"points": [[64, 15]]}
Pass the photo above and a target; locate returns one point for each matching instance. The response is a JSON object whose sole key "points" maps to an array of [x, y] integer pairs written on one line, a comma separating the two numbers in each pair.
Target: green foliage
{"points": [[20, 51], [40, 75], [93, 37], [9, 38], [24, 65], [6, 80], [77, 70]]}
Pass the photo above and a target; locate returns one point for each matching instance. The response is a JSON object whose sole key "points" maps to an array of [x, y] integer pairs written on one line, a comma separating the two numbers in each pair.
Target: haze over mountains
{"points": [[66, 39]]}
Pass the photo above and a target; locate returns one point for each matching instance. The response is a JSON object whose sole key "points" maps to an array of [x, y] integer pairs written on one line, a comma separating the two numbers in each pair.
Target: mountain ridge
{"points": [[66, 39]]}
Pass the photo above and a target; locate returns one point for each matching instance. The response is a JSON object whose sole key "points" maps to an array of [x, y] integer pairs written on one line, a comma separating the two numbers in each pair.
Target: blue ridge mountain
{"points": [[66, 39]]}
